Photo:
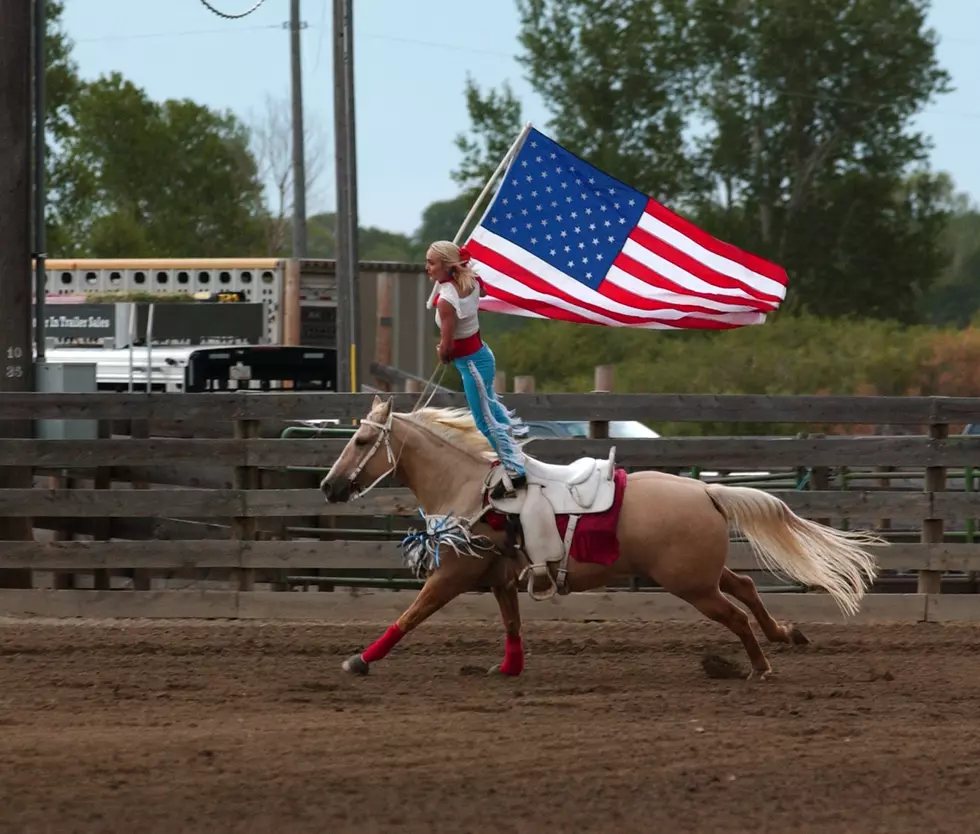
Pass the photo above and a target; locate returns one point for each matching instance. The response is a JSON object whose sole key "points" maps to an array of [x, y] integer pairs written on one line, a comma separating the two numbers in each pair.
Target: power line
{"points": [[226, 16], [181, 34]]}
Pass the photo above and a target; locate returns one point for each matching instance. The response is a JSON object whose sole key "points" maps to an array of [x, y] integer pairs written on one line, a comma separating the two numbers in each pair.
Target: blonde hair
{"points": [[462, 275]]}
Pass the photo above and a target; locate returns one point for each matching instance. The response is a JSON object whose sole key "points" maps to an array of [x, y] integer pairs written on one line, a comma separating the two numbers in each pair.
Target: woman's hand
{"points": [[443, 354]]}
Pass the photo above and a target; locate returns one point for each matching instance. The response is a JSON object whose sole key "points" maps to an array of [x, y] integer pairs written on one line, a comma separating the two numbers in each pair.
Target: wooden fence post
{"points": [[500, 382], [599, 429], [413, 386], [245, 477], [385, 326], [933, 528], [523, 384]]}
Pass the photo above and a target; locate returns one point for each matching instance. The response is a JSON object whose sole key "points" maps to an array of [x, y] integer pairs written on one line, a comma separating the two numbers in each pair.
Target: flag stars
{"points": [[632, 202], [581, 245], [588, 276], [568, 248], [573, 215], [534, 240], [524, 212], [595, 241], [607, 223], [524, 163], [509, 215], [547, 237], [588, 211], [552, 252], [549, 189], [578, 230], [530, 178], [591, 227]]}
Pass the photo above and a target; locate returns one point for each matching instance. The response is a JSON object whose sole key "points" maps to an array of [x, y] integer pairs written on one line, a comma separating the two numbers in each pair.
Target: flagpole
{"points": [[508, 157]]}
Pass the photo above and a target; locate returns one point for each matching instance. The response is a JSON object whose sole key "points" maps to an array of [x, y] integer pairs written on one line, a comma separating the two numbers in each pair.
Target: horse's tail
{"points": [[804, 550]]}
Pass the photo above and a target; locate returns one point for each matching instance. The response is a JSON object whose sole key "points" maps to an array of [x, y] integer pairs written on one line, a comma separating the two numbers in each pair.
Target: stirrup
{"points": [[507, 487], [546, 594]]}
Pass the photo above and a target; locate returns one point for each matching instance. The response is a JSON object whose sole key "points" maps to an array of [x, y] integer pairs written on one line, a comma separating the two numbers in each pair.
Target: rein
{"points": [[384, 434]]}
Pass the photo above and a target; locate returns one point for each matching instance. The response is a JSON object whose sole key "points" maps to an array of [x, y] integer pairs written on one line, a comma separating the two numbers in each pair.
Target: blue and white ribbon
{"points": [[423, 547]]}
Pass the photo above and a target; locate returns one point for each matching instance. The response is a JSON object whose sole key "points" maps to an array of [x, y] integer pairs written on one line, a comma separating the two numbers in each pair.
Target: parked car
{"points": [[580, 428]]}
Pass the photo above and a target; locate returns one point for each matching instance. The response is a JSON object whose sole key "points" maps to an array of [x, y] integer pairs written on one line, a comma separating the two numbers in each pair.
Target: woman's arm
{"points": [[447, 319]]}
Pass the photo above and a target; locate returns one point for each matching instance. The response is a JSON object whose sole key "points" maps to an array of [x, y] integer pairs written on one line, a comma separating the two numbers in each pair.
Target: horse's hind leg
{"points": [[716, 606], [743, 589], [510, 613]]}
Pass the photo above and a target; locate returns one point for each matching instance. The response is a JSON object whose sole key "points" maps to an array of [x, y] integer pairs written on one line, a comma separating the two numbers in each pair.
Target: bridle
{"points": [[384, 436]]}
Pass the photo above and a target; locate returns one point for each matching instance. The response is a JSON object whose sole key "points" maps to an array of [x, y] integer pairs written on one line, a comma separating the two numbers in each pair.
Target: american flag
{"points": [[563, 240]]}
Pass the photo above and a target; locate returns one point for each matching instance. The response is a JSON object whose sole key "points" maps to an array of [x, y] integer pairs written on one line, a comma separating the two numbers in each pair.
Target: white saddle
{"points": [[584, 486]]}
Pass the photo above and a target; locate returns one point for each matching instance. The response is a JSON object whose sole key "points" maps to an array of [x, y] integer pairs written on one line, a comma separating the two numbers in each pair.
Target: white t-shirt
{"points": [[466, 308]]}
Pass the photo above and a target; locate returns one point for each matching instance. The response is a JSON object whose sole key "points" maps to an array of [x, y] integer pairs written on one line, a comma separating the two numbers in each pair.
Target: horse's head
{"points": [[366, 458]]}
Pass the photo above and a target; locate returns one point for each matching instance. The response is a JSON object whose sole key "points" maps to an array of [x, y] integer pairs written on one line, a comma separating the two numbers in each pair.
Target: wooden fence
{"points": [[115, 526]]}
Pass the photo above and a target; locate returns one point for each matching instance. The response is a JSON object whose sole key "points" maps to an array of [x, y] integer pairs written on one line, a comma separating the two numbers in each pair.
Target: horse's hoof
{"points": [[798, 638], [355, 665], [497, 671], [757, 675]]}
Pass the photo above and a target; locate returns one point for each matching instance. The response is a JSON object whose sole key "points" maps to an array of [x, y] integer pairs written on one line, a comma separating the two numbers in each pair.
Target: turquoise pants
{"points": [[496, 423]]}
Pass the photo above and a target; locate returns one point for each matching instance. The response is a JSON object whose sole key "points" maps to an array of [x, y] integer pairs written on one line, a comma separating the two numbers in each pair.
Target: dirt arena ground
{"points": [[615, 727]]}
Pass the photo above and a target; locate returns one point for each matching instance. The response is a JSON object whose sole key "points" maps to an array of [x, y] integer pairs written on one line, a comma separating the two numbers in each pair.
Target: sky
{"points": [[411, 60]]}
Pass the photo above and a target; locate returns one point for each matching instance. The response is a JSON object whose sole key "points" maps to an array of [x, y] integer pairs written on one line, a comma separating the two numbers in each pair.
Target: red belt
{"points": [[466, 346]]}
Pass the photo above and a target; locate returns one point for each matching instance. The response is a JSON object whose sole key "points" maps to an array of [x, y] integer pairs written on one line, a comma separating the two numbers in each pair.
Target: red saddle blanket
{"points": [[594, 539]]}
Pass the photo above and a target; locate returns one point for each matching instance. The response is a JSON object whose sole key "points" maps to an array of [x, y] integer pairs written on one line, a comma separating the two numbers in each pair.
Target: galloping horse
{"points": [[673, 529]]}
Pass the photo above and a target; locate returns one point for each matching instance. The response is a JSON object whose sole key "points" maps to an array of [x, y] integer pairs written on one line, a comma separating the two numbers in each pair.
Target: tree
{"points": [[62, 85], [441, 221], [142, 178], [272, 146], [784, 128]]}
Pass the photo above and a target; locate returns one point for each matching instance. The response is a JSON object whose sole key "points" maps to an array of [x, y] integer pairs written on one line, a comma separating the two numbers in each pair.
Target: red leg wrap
{"points": [[513, 656], [384, 644]]}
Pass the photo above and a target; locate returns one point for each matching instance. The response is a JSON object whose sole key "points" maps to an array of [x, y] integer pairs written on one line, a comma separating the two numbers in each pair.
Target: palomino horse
{"points": [[673, 529]]}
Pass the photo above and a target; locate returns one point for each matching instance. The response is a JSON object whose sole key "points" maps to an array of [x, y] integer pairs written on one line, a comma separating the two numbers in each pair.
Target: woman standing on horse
{"points": [[460, 290]]}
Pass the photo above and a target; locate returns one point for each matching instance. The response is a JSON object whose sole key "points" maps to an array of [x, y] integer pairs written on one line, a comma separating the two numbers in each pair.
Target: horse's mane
{"points": [[456, 426]]}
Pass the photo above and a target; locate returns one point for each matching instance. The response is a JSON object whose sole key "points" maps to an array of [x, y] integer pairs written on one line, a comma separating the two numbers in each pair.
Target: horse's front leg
{"points": [[455, 576]]}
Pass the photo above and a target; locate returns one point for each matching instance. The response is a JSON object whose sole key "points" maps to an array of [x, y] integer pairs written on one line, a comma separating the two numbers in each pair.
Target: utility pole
{"points": [[16, 347], [352, 217], [346, 170], [299, 154]]}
